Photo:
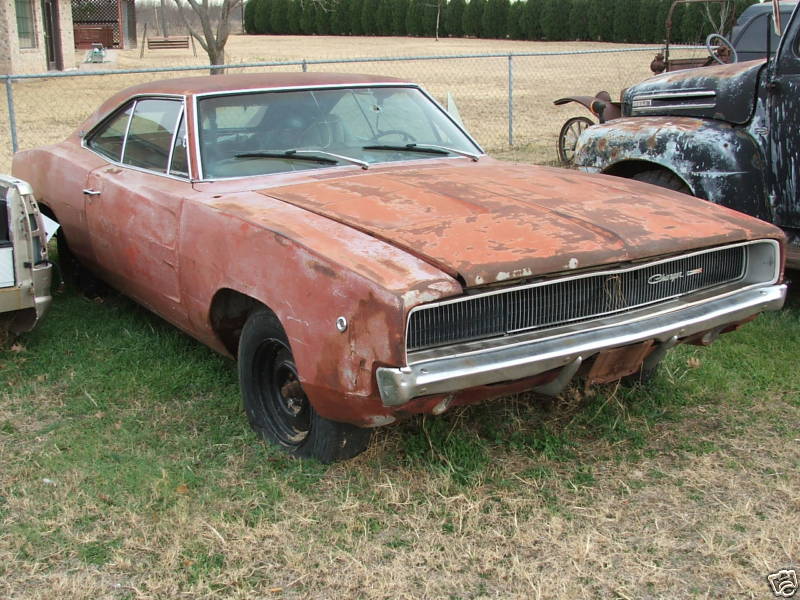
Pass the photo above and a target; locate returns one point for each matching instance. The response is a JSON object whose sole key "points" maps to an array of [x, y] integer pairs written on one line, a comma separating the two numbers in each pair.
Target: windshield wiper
{"points": [[363, 164], [290, 154], [326, 158], [426, 148]]}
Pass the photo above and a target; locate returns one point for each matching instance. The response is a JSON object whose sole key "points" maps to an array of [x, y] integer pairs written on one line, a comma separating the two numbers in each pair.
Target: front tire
{"points": [[274, 400], [663, 178]]}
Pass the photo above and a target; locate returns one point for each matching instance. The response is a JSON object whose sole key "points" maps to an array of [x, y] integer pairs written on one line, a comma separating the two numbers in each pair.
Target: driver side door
{"points": [[133, 204], [784, 108]]}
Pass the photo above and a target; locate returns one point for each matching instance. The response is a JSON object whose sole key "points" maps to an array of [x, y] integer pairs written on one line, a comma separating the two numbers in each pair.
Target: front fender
{"points": [[718, 161]]}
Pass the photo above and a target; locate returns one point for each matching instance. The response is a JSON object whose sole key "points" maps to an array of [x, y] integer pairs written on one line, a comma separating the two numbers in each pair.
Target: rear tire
{"points": [[275, 403], [665, 179]]}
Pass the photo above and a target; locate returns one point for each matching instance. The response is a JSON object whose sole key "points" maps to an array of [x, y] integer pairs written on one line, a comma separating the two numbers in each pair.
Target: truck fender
{"points": [[719, 162]]}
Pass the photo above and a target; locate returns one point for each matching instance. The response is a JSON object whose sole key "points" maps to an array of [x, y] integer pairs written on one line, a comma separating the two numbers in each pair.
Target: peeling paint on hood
{"points": [[495, 221]]}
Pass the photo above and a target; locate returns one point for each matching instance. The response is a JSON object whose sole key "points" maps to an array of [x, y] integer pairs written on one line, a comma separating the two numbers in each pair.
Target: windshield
{"points": [[275, 132]]}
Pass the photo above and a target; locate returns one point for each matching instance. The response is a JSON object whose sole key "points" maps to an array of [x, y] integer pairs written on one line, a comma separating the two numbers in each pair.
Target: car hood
{"points": [[722, 92], [493, 221]]}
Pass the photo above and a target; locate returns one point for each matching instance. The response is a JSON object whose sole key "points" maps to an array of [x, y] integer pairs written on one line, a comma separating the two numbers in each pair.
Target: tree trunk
{"points": [[164, 30], [216, 57]]}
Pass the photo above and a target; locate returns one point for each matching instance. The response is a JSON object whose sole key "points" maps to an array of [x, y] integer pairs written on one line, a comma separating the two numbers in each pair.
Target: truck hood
{"points": [[494, 221], [722, 92]]}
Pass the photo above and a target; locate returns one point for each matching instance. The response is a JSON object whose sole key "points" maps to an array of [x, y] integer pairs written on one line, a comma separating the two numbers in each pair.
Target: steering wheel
{"points": [[723, 46], [404, 135]]}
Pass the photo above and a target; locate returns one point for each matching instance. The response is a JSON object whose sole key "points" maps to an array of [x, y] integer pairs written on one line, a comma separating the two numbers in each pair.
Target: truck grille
{"points": [[558, 302]]}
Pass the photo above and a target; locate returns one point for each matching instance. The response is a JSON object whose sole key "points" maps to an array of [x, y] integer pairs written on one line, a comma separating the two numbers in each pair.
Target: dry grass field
{"points": [[127, 470], [49, 109]]}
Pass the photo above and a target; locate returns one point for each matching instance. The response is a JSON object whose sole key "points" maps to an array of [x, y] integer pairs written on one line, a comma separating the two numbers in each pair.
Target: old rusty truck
{"points": [[725, 133]]}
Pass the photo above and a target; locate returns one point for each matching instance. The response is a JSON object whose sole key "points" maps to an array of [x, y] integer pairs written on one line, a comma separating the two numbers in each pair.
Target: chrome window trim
{"points": [[133, 100], [127, 132], [172, 141], [599, 321], [333, 86]]}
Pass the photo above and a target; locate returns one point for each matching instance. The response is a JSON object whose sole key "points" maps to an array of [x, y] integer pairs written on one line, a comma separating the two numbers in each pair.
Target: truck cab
{"points": [[725, 133], [25, 271]]}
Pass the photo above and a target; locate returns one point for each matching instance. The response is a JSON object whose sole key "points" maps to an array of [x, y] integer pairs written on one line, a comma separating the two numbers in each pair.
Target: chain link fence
{"points": [[505, 100]]}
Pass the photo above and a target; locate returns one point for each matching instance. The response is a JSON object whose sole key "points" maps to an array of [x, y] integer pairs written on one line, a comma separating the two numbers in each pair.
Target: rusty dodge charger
{"points": [[352, 246]]}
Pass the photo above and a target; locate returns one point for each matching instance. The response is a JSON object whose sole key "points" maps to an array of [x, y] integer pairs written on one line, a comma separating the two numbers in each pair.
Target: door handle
{"points": [[90, 192]]}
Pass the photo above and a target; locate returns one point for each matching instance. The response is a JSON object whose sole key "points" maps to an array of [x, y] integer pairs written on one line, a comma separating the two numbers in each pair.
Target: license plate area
{"points": [[615, 363]]}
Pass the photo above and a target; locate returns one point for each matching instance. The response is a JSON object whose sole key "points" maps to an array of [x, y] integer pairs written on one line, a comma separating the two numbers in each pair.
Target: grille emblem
{"points": [[668, 277]]}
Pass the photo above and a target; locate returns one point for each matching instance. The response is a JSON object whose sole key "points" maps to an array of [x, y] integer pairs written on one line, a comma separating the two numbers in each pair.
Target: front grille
{"points": [[558, 302]]}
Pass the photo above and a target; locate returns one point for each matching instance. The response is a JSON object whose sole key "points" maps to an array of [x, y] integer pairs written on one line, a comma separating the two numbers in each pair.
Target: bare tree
{"points": [[164, 30], [211, 39]]}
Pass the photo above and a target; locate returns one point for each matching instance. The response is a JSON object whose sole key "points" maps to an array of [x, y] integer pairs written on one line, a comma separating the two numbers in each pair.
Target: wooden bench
{"points": [[173, 42]]}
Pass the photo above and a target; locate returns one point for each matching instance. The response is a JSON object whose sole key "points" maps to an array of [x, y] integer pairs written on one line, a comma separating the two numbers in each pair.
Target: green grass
{"points": [[110, 416]]}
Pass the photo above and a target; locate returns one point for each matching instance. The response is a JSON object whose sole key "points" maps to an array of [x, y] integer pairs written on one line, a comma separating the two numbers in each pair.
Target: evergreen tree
{"points": [[647, 32], [399, 10], [579, 20], [626, 20], [554, 19], [690, 23], [295, 17], [355, 17], [250, 16], [307, 17], [263, 16], [494, 21], [384, 17], [515, 23], [340, 18], [473, 15], [369, 17], [279, 18], [601, 25], [414, 18], [533, 20], [428, 13], [322, 23], [454, 17]]}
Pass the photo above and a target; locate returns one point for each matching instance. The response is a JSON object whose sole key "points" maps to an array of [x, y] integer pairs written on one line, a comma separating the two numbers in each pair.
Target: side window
{"points": [[150, 134], [179, 165], [108, 139]]}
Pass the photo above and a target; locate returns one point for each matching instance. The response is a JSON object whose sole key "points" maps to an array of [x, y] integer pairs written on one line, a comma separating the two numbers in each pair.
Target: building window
{"points": [[25, 28]]}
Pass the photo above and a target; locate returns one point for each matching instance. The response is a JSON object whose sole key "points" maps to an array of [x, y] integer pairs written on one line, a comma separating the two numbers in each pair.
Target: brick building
{"points": [[36, 36]]}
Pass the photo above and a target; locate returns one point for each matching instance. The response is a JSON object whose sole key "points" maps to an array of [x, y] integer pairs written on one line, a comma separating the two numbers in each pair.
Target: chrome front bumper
{"points": [[515, 361]]}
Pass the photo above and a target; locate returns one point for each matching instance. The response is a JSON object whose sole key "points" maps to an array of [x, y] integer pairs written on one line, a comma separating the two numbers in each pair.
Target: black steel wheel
{"points": [[274, 400], [568, 138]]}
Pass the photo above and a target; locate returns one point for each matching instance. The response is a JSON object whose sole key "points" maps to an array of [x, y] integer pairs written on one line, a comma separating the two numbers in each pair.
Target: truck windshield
{"points": [[267, 132]]}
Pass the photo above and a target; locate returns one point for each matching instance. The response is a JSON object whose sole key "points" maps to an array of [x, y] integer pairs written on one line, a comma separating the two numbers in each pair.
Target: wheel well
{"points": [[629, 168], [47, 211], [229, 311]]}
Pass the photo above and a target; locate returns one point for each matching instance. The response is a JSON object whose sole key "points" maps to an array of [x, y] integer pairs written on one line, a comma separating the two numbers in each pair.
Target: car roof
{"points": [[765, 7], [210, 84], [252, 81]]}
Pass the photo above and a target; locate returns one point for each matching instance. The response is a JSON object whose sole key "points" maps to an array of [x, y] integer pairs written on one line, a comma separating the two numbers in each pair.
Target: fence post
{"points": [[12, 116], [510, 100]]}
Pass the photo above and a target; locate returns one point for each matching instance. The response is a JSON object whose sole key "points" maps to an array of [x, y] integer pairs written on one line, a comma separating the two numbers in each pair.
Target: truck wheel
{"points": [[277, 406], [663, 178], [568, 138]]}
